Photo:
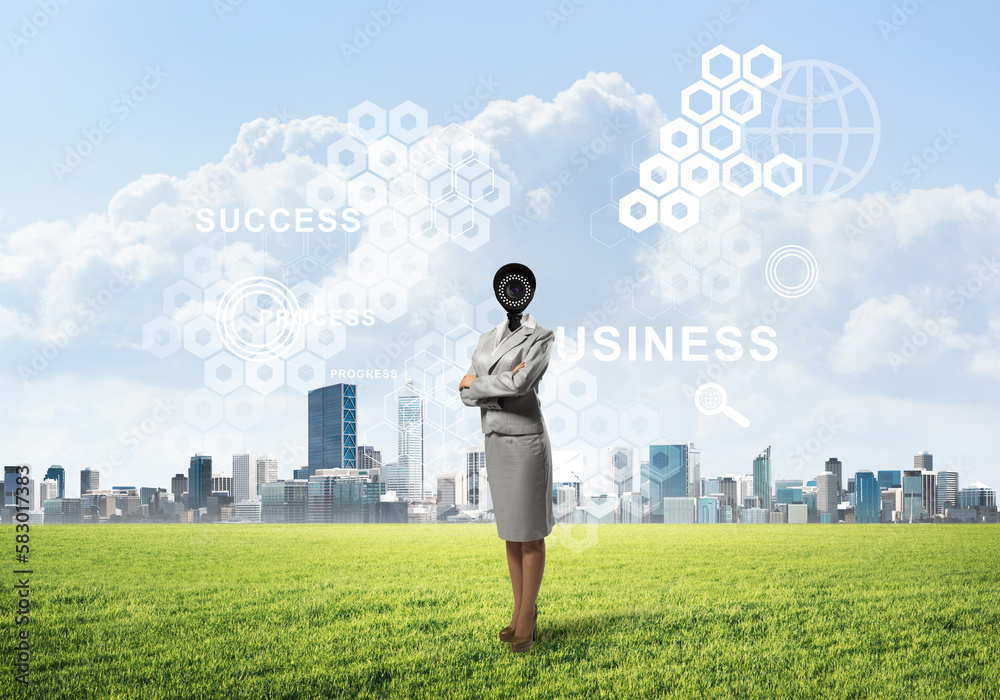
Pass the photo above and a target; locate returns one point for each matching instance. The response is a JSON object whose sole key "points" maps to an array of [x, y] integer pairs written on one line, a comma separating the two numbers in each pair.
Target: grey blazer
{"points": [[509, 400]]}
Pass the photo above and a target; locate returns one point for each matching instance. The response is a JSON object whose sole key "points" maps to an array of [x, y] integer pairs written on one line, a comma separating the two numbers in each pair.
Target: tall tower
{"points": [[90, 480], [826, 495], [947, 490], [620, 469], [835, 466], [475, 475], [178, 485], [411, 441], [199, 481], [762, 479], [924, 460], [333, 429], [241, 477], [694, 472], [58, 474], [266, 472], [868, 498]]}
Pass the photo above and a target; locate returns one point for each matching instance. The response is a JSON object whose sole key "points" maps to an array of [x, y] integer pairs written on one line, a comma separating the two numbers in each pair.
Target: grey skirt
{"points": [[519, 472]]}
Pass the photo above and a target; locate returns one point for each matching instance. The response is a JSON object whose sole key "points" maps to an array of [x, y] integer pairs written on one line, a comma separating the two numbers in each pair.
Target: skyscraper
{"points": [[929, 503], [834, 466], [57, 474], [199, 481], [694, 472], [868, 508], [913, 491], [267, 471], [333, 429], [826, 495], [369, 457], [977, 495], [890, 479], [947, 490], [475, 465], [411, 441], [762, 478], [90, 480], [241, 477], [671, 461], [620, 469], [178, 485], [924, 460]]}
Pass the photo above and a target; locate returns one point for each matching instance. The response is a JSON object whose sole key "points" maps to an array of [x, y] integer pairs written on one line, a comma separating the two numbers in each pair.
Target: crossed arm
{"points": [[511, 383]]}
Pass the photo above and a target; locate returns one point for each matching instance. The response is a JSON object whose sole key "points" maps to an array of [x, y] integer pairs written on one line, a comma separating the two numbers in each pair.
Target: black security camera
{"points": [[514, 286]]}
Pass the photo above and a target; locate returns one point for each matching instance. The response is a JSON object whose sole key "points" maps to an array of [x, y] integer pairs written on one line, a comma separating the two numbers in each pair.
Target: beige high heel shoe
{"points": [[522, 644], [507, 633]]}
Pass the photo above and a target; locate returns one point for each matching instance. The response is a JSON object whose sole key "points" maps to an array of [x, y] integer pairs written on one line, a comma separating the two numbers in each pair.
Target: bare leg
{"points": [[516, 576], [533, 564]]}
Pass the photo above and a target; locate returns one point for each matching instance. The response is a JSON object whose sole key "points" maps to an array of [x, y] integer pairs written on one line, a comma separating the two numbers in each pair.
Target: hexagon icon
{"points": [[658, 174], [161, 337], [488, 315], [785, 162], [606, 227], [640, 422], [178, 294], [451, 213], [561, 423], [651, 296], [720, 66], [347, 156], [741, 174], [638, 210], [388, 300], [454, 313], [720, 138], [496, 199], [454, 144], [388, 158], [366, 193], [326, 341], [702, 246], [682, 282], [415, 216], [600, 422], [346, 295], [383, 232], [699, 174], [434, 180], [577, 388], [407, 264], [473, 180], [700, 102], [679, 139], [244, 409], [367, 265], [474, 230], [306, 372], [180, 442], [679, 210], [264, 377], [223, 373], [202, 409], [201, 337], [407, 122], [326, 191], [744, 243], [741, 102], [369, 119], [201, 265], [720, 281], [761, 66]]}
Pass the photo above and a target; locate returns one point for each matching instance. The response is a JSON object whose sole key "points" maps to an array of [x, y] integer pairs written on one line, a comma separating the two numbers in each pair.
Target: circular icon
{"points": [[803, 287], [710, 399], [826, 118], [258, 319]]}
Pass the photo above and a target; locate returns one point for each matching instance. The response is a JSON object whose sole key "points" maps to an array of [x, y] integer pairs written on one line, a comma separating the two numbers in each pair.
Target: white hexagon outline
{"points": [[390, 286], [357, 257], [706, 141], [400, 132], [334, 182], [625, 205], [368, 108], [407, 277], [174, 335], [490, 207], [699, 160], [384, 145], [741, 117], [750, 76], [782, 159], [265, 386], [463, 184], [706, 61], [200, 323], [223, 386], [665, 163], [727, 173], [256, 404], [679, 125], [690, 90], [355, 146], [667, 217], [293, 366], [367, 179], [571, 376]]}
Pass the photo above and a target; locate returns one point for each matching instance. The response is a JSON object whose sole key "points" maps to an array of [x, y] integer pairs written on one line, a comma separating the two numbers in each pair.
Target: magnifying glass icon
{"points": [[710, 399]]}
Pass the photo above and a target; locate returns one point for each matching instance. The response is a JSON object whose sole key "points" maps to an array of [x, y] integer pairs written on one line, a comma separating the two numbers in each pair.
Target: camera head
{"points": [[514, 286]]}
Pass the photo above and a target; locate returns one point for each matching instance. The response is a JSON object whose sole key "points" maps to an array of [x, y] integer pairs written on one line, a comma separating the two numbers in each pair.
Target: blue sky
{"points": [[936, 71]]}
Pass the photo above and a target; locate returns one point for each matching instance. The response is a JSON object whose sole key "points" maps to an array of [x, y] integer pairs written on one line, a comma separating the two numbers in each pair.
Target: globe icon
{"points": [[711, 399], [823, 116]]}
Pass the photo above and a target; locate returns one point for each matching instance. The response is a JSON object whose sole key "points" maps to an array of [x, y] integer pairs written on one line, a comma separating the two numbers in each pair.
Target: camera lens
{"points": [[513, 289]]}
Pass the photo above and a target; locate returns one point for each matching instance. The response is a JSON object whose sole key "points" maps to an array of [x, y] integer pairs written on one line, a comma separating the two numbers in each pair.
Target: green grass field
{"points": [[373, 611]]}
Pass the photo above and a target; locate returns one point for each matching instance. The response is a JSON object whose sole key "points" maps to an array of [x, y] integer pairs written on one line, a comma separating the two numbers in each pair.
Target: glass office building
{"points": [[868, 501], [199, 481], [333, 429], [58, 475], [890, 479], [913, 494], [762, 479]]}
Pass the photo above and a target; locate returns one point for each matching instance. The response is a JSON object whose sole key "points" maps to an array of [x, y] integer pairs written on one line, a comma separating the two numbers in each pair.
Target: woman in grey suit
{"points": [[502, 382]]}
